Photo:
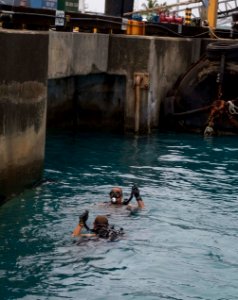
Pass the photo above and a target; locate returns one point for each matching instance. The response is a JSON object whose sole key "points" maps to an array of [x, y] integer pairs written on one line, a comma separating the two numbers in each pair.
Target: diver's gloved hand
{"points": [[136, 192], [83, 218], [127, 201]]}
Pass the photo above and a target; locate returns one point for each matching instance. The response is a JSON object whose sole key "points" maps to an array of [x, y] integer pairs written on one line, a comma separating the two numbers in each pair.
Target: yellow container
{"points": [[135, 27]]}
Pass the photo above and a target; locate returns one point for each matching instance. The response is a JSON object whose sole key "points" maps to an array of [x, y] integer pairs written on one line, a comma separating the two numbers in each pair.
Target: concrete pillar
{"points": [[23, 97]]}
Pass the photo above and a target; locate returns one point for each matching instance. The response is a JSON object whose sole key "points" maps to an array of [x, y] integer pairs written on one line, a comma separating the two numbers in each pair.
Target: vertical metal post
{"points": [[212, 13], [141, 84], [137, 102]]}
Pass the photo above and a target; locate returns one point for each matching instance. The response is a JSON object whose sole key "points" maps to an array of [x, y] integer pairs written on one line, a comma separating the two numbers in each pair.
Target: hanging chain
{"points": [[219, 92]]}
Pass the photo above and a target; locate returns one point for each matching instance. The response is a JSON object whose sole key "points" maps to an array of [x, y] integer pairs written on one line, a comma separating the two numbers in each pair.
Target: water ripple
{"points": [[184, 245]]}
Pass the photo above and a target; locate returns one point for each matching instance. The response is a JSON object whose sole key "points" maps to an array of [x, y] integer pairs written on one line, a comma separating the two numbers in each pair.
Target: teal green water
{"points": [[184, 245]]}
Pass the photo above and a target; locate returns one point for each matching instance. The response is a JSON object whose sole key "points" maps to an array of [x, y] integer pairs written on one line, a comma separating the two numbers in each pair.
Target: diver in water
{"points": [[116, 198], [101, 228]]}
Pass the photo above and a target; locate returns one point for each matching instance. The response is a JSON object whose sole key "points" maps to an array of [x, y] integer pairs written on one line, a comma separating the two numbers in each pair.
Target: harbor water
{"points": [[183, 245]]}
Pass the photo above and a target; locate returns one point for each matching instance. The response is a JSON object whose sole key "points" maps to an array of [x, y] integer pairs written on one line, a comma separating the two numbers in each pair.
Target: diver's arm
{"points": [[136, 193], [77, 230], [140, 203], [82, 223], [135, 208], [88, 234]]}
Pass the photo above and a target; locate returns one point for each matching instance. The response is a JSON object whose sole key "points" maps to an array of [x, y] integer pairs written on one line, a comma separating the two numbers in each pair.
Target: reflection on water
{"points": [[182, 246]]}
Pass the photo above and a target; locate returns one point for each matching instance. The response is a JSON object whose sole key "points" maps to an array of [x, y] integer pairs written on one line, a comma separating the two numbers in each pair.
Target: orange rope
{"points": [[220, 107]]}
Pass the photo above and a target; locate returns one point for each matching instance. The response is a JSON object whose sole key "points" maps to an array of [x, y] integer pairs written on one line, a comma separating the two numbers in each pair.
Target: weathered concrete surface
{"points": [[72, 54], [88, 79], [94, 55], [164, 59], [100, 98], [60, 106], [93, 101], [80, 92], [23, 96]]}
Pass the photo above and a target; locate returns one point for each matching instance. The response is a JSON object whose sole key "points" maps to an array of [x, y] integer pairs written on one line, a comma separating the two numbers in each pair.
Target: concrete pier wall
{"points": [[89, 80], [163, 59], [23, 96], [100, 57]]}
